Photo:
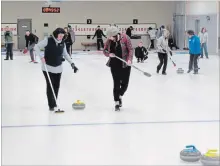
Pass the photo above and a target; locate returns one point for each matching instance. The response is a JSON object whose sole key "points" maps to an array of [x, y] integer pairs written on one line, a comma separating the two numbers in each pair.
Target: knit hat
{"points": [[112, 31]]}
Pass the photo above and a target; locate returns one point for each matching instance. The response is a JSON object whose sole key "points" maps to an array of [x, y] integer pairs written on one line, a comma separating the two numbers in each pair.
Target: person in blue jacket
{"points": [[194, 51]]}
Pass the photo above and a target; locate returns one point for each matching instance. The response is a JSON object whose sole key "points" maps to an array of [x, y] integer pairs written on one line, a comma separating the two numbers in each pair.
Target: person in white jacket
{"points": [[152, 32], [203, 35], [163, 50]]}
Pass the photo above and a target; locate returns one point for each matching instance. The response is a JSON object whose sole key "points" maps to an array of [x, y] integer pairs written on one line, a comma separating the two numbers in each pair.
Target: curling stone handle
{"points": [[211, 152], [191, 146]]}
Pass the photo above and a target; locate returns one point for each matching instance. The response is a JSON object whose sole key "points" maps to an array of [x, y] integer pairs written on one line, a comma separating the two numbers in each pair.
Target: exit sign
{"points": [[50, 9]]}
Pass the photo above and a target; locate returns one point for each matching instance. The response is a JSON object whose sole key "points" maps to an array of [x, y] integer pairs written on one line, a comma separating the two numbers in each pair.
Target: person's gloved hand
{"points": [[62, 59], [146, 53], [164, 50], [171, 53], [111, 55], [74, 67]]}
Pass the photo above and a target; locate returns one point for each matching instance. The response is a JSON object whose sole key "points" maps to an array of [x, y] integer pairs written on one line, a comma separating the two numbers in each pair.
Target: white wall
{"points": [[100, 12], [201, 7]]}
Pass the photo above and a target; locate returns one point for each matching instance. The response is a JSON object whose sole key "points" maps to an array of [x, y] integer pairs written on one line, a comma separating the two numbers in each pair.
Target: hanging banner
{"points": [[12, 27], [89, 29]]}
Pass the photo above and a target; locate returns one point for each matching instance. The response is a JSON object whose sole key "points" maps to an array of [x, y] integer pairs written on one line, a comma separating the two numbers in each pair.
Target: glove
{"points": [[62, 59], [164, 50], [74, 67], [111, 55], [171, 53], [146, 53]]}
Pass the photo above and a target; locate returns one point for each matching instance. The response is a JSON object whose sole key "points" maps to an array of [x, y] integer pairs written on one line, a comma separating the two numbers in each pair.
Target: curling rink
{"points": [[160, 114]]}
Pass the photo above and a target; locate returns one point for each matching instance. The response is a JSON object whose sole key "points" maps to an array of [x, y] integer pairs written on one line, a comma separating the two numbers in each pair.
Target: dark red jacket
{"points": [[127, 49]]}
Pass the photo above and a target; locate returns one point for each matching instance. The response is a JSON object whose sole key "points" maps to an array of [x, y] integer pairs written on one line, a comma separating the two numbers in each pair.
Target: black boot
{"points": [[120, 101], [51, 109], [117, 107], [195, 72], [158, 71]]}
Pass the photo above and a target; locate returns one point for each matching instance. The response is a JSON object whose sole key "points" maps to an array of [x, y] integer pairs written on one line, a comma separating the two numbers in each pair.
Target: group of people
{"points": [[32, 39], [99, 34], [118, 46]]}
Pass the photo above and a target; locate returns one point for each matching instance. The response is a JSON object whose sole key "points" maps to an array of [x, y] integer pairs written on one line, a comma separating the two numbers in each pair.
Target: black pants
{"points": [[121, 79], [68, 49], [163, 62], [55, 79], [9, 51], [193, 62], [152, 44], [100, 41]]}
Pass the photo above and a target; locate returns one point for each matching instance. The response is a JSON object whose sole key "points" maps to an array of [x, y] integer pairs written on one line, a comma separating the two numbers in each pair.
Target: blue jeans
{"points": [[204, 46]]}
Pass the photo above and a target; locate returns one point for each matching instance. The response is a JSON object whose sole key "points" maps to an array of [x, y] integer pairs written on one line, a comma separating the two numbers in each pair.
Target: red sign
{"points": [[50, 9]]}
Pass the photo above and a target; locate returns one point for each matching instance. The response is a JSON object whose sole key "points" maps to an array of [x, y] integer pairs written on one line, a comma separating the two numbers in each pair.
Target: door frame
{"points": [[27, 19]]}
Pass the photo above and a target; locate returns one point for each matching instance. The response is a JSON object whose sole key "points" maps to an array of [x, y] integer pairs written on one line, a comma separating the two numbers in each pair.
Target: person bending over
{"points": [[31, 40], [118, 45]]}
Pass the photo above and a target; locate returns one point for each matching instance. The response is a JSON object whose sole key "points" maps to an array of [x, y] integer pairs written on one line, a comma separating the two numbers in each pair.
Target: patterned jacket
{"points": [[127, 50]]}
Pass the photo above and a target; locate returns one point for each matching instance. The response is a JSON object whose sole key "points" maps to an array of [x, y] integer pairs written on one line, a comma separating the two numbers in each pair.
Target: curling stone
{"points": [[211, 158], [78, 105], [180, 71], [191, 154]]}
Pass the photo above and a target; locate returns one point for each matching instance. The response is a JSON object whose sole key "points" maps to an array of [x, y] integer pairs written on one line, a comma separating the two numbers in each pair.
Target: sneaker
{"points": [[6, 59], [189, 71], [164, 73]]}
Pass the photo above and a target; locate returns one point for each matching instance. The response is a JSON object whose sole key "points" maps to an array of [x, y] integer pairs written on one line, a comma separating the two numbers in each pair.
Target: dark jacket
{"points": [[68, 39], [31, 39], [8, 37], [53, 52], [140, 52], [128, 32], [99, 33]]}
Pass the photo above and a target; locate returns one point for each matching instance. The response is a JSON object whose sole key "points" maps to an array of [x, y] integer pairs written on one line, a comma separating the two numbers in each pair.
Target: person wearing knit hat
{"points": [[163, 49], [54, 51], [118, 45]]}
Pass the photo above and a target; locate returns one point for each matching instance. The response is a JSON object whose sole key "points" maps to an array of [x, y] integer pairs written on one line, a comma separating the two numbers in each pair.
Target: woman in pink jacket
{"points": [[118, 45]]}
